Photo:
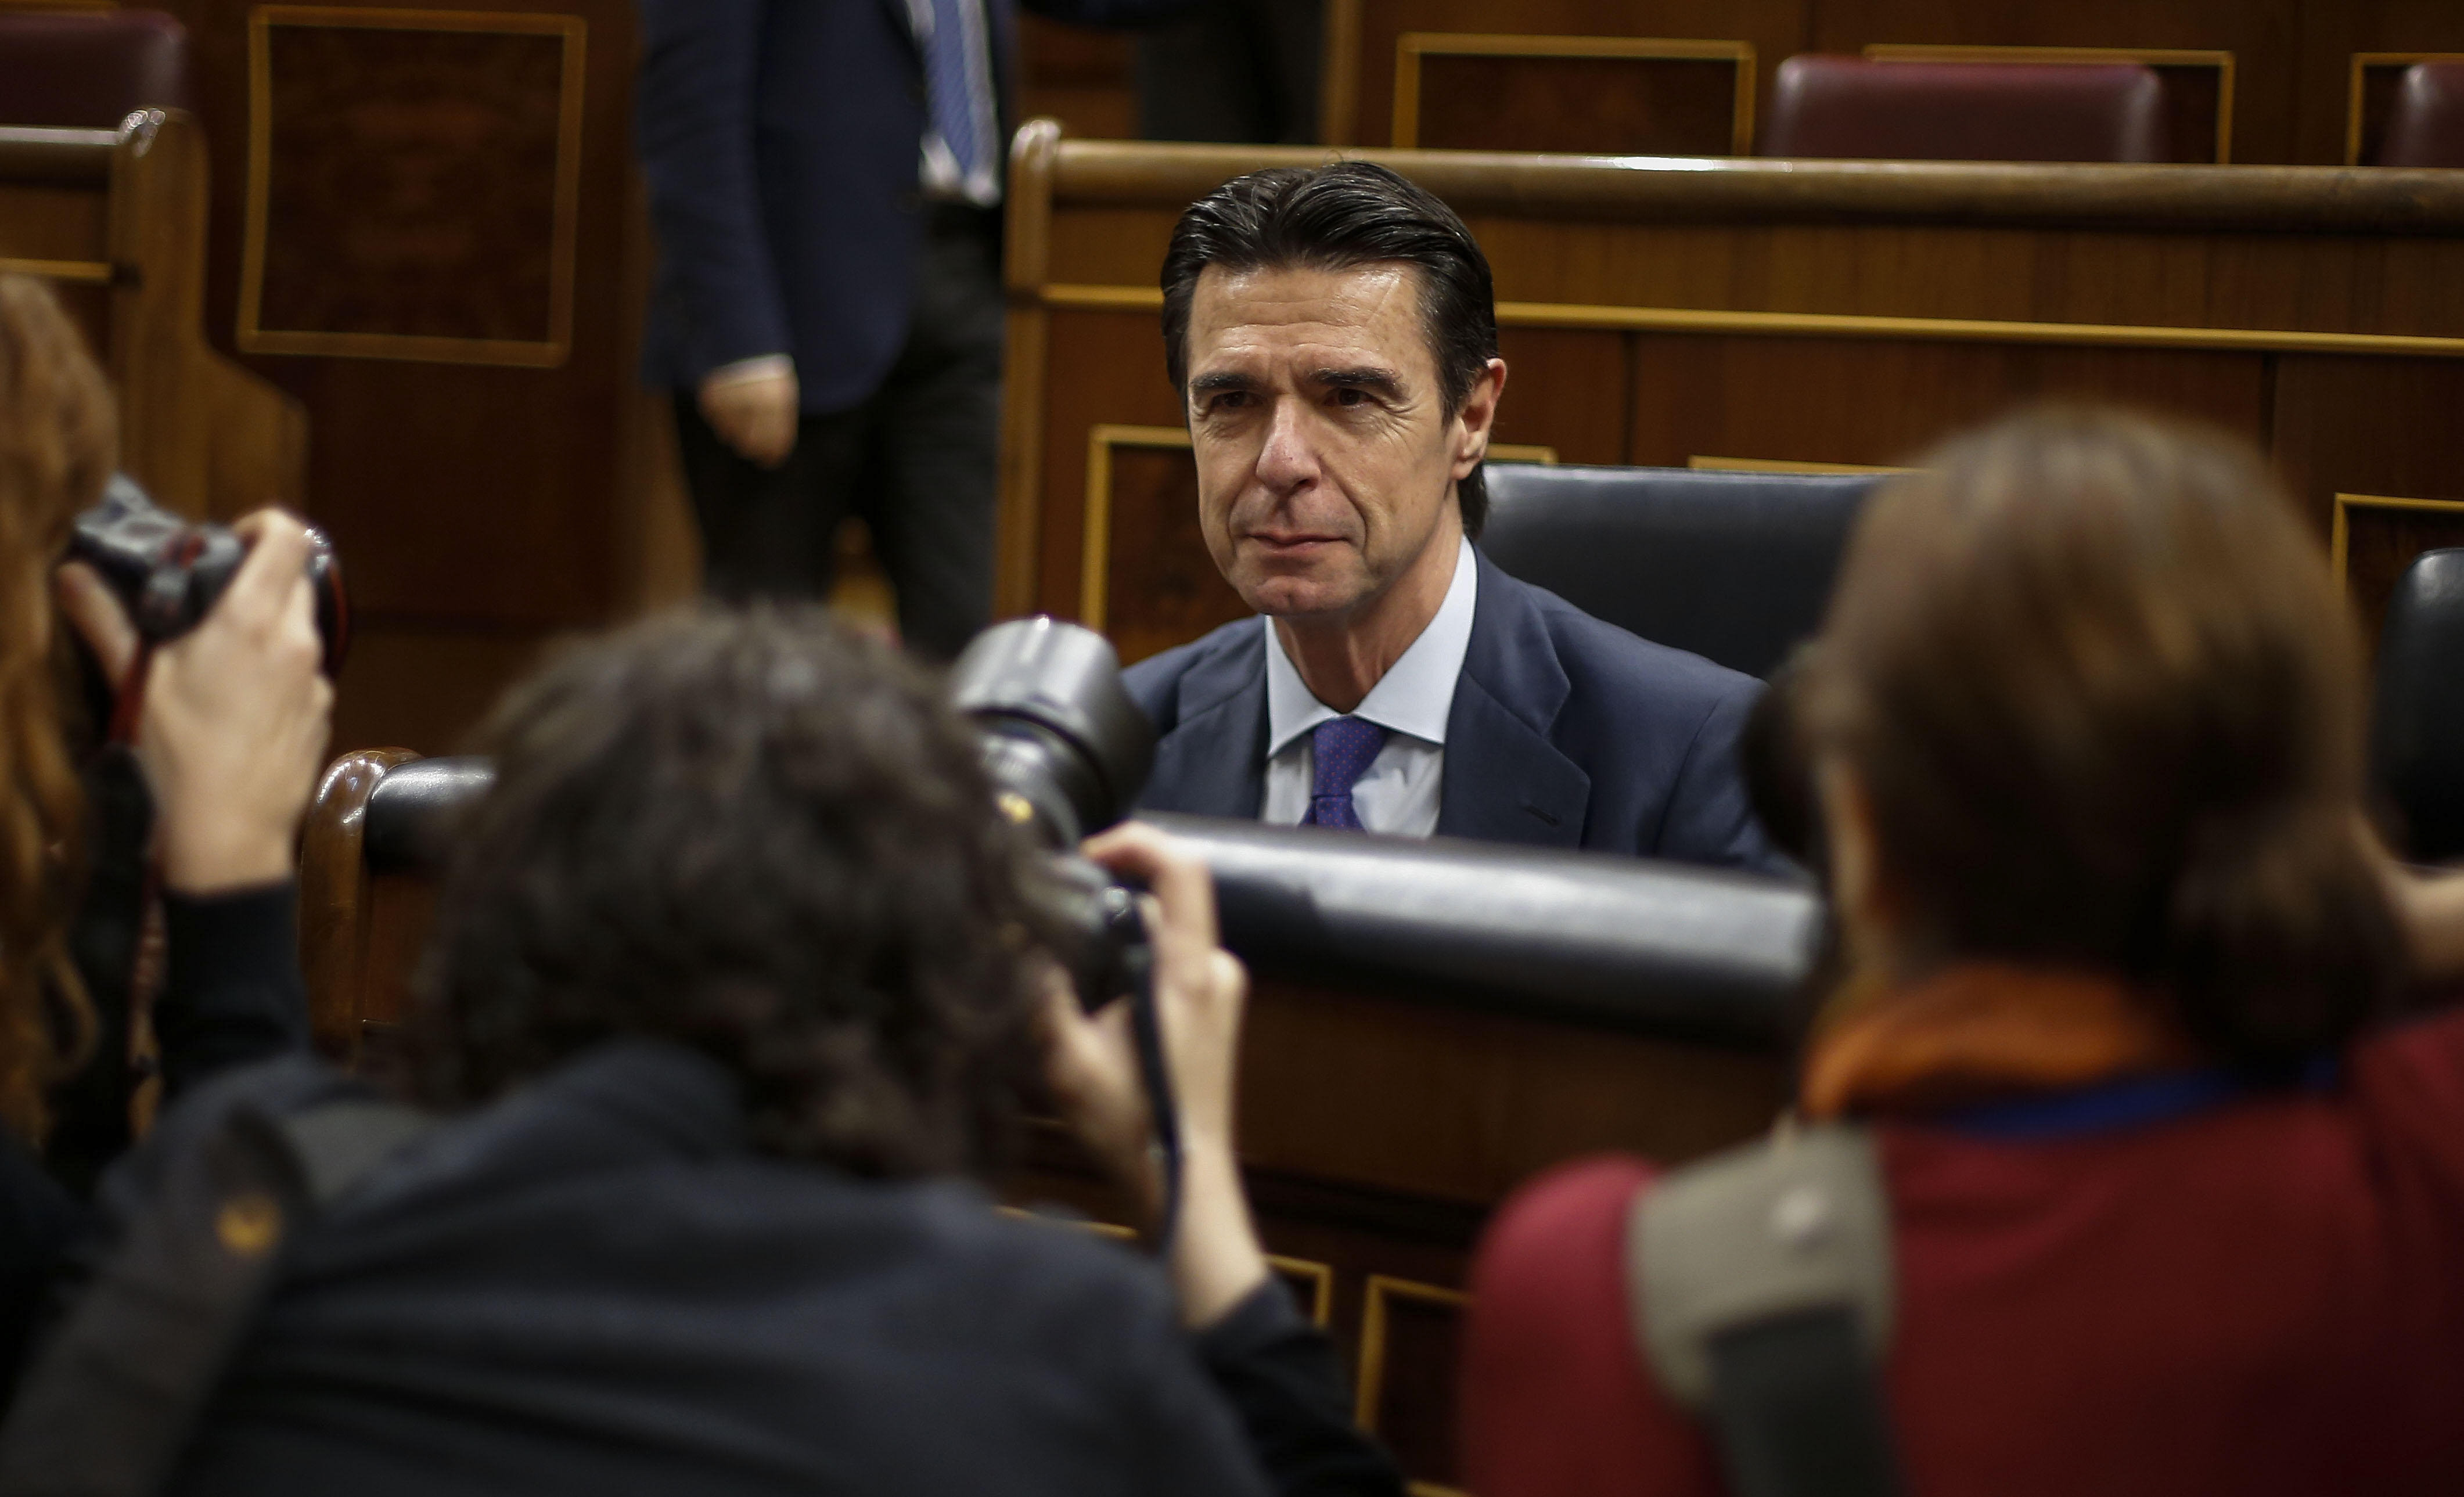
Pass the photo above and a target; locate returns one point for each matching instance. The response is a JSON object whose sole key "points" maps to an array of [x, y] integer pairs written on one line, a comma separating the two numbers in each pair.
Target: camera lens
{"points": [[1066, 748]]}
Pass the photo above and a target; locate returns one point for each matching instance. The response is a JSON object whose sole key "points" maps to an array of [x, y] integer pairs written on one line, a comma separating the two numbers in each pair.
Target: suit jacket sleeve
{"points": [[1710, 819], [693, 113]]}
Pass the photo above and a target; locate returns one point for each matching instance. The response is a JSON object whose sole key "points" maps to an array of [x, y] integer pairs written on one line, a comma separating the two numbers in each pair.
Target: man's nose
{"points": [[1289, 459]]}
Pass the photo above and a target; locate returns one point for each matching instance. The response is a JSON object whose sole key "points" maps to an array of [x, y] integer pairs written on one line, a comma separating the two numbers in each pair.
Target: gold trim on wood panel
{"points": [[2152, 57], [1372, 1350], [515, 353], [1412, 46], [2340, 533], [1321, 1278], [1703, 464], [1520, 452], [82, 272], [1373, 1334], [2363, 63], [1833, 325], [1338, 73], [1095, 528]]}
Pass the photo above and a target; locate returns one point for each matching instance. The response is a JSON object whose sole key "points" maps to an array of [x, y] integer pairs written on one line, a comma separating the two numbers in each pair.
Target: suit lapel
{"points": [[1504, 780], [1215, 759]]}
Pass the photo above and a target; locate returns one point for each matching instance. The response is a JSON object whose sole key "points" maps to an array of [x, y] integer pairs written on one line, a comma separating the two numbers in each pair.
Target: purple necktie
{"points": [[1341, 750]]}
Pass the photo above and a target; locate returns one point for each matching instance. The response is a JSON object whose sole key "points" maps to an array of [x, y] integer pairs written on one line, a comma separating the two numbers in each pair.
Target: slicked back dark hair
{"points": [[754, 835], [1336, 217]]}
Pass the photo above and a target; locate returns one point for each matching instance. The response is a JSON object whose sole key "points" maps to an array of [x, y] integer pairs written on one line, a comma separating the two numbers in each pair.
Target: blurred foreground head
{"points": [[2105, 711], [759, 836]]}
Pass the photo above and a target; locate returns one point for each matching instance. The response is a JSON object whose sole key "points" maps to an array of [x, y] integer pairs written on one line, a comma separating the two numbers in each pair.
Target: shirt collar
{"points": [[1415, 696]]}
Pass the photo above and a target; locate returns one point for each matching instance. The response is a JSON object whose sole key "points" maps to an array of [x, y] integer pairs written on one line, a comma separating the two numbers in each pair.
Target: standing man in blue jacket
{"points": [[825, 179]]}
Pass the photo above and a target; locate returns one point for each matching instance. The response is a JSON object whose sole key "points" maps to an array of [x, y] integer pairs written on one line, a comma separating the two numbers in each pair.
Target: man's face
{"points": [[1325, 465]]}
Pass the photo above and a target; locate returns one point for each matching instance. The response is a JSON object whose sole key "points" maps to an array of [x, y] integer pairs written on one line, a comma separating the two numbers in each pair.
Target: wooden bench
{"points": [[117, 221], [1380, 1119], [1661, 313]]}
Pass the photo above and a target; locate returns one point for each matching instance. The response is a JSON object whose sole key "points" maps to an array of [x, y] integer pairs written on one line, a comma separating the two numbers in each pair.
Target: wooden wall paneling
{"points": [[1401, 1094], [476, 505], [1411, 1342], [1147, 579], [2331, 31], [2371, 427], [1081, 76], [1566, 389], [2198, 85], [1101, 369], [2261, 35], [1880, 403], [2374, 538], [2089, 283], [1620, 96], [1775, 28]]}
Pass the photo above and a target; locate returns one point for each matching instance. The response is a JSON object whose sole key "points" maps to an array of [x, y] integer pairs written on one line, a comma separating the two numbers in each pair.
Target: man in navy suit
{"points": [[825, 180], [1335, 333]]}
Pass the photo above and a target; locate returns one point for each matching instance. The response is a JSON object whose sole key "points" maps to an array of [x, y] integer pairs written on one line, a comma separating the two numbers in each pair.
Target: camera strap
{"points": [[1163, 1107], [128, 697], [1760, 1285]]}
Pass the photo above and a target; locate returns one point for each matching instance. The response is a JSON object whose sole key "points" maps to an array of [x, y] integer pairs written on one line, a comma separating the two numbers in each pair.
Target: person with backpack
{"points": [[2117, 1164]]}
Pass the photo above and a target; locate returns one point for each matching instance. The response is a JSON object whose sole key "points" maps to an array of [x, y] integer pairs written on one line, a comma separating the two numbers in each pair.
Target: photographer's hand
{"points": [[1199, 992], [236, 713]]}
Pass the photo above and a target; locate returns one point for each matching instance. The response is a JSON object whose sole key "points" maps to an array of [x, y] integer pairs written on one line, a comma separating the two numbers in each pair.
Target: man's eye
{"points": [[1229, 400], [1350, 395]]}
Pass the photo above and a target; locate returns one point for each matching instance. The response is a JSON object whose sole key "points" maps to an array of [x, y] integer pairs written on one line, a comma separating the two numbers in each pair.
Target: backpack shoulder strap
{"points": [[1761, 1288], [109, 1405]]}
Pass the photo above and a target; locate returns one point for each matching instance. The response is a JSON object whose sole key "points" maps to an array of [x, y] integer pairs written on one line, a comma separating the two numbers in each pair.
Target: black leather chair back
{"points": [[2417, 727], [1735, 566], [1618, 942]]}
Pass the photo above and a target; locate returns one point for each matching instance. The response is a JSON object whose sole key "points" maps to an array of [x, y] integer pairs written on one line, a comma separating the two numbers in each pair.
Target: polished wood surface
{"points": [[1379, 1128], [1625, 96], [450, 274], [336, 899], [1655, 311], [118, 221]]}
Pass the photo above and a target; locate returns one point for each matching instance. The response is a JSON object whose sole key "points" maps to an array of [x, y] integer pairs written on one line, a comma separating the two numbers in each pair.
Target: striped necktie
{"points": [[954, 82]]}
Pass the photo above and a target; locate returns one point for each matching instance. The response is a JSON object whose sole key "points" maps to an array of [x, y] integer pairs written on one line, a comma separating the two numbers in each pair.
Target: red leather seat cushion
{"points": [[1966, 111], [2425, 126], [89, 71]]}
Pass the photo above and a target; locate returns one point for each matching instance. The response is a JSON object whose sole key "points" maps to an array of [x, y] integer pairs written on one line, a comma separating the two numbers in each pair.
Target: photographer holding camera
{"points": [[738, 983], [223, 755]]}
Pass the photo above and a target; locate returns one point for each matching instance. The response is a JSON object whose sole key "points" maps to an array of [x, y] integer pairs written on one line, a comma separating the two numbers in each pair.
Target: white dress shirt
{"points": [[1411, 701]]}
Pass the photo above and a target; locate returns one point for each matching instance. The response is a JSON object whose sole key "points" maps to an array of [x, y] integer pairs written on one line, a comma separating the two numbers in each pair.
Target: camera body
{"points": [[169, 571], [1067, 752]]}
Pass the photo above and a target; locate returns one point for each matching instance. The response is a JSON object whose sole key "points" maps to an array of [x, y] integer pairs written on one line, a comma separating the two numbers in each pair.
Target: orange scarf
{"points": [[1980, 1032]]}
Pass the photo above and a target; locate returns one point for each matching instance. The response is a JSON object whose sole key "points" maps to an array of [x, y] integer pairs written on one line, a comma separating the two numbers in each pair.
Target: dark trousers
{"points": [[917, 462]]}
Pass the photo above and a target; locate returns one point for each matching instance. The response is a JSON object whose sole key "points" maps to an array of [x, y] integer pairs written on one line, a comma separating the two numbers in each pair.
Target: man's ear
{"points": [[1478, 415]]}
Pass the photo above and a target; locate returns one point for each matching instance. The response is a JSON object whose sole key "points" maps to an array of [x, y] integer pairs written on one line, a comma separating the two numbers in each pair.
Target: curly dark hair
{"points": [[754, 834]]}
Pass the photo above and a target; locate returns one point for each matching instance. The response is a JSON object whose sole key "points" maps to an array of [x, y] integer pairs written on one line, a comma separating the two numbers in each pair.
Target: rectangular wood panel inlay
{"points": [[412, 185]]}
